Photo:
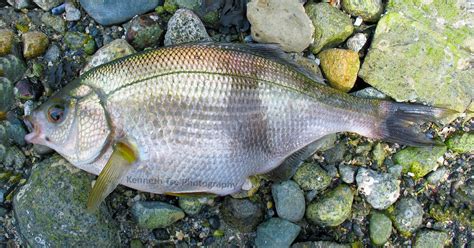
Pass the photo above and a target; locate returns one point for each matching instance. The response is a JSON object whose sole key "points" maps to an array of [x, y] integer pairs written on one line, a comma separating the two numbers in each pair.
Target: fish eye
{"points": [[56, 113]]}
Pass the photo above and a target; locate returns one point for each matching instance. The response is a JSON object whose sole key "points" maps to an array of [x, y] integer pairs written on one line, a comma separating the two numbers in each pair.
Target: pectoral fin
{"points": [[123, 157]]}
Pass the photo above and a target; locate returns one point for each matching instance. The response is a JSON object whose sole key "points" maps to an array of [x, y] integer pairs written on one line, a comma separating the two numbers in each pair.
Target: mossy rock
{"points": [[462, 143], [419, 160], [333, 208], [50, 209], [413, 58]]}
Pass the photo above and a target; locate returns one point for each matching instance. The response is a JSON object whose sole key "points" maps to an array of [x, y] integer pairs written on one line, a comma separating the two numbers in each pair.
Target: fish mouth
{"points": [[35, 132]]}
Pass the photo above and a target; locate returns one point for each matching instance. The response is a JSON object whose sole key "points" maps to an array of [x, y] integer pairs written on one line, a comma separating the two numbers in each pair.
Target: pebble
{"points": [[185, 26], [340, 67], [419, 160], [154, 214], [191, 205], [14, 157], [311, 176], [80, 41], [108, 12], [289, 200], [438, 176], [357, 42], [332, 208], [58, 10], [15, 131], [408, 216], [52, 54], [55, 22], [20, 4], [319, 244], [347, 173], [12, 67], [145, 31], [380, 228], [46, 5], [461, 143], [35, 44], [370, 93], [6, 96], [55, 182], [381, 190], [72, 13], [369, 10], [276, 232], [335, 154], [242, 214], [116, 49], [431, 239], [7, 41], [331, 26], [289, 27]]}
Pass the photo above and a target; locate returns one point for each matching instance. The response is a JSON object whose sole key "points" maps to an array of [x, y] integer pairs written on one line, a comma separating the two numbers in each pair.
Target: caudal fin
{"points": [[401, 122]]}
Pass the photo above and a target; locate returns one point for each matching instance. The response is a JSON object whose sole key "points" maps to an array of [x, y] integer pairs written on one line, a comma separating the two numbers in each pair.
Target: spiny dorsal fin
{"points": [[269, 51]]}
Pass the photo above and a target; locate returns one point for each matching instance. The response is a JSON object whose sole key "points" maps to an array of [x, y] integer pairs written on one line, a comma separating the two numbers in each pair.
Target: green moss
{"points": [[419, 161], [461, 143]]}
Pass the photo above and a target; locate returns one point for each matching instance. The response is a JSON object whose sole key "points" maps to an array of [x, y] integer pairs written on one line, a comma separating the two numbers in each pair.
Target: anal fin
{"points": [[123, 157], [289, 166]]}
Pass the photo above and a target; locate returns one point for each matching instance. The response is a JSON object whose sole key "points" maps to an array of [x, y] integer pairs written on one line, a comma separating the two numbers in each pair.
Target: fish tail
{"points": [[400, 122]]}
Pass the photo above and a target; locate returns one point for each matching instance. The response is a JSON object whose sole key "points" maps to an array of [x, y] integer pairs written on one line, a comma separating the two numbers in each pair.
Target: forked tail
{"points": [[401, 122]]}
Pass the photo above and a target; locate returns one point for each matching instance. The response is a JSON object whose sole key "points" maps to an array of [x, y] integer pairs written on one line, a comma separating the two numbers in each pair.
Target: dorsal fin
{"points": [[269, 51]]}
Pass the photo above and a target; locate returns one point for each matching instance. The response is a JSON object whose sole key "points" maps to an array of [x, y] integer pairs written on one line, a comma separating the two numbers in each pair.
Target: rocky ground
{"points": [[353, 192]]}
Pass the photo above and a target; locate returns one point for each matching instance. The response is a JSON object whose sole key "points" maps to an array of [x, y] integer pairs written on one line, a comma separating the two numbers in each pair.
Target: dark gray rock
{"points": [[319, 244], [276, 232], [242, 214], [108, 12], [50, 209], [12, 67], [289, 200], [408, 216]]}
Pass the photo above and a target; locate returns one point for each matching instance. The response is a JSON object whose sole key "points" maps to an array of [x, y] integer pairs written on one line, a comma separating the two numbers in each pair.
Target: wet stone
{"points": [[380, 227], [116, 49], [340, 67], [242, 214], [380, 189], [311, 176], [154, 214], [145, 31], [7, 41], [408, 216], [431, 239], [34, 44], [276, 232], [289, 200], [185, 26], [108, 12], [332, 208], [290, 27], [55, 182], [331, 26]]}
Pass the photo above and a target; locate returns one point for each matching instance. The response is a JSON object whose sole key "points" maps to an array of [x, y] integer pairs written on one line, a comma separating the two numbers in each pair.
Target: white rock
{"points": [[357, 42], [282, 22], [116, 49]]}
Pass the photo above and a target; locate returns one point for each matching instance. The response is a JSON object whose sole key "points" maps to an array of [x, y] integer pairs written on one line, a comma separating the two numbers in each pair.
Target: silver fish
{"points": [[204, 117]]}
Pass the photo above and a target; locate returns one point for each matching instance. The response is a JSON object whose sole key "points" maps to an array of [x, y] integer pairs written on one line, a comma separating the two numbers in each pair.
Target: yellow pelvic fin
{"points": [[121, 160], [3, 115]]}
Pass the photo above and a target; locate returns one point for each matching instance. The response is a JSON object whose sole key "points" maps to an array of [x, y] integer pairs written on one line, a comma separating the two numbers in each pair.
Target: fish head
{"points": [[72, 122]]}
